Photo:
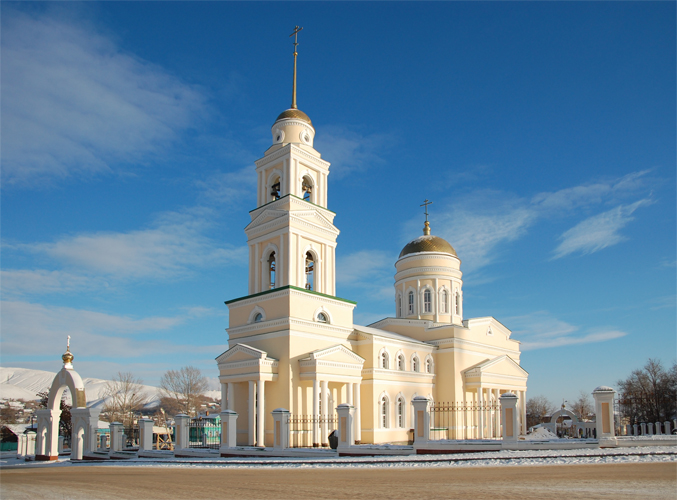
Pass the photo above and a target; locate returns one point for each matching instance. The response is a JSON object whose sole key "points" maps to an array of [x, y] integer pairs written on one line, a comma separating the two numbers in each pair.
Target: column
{"points": [[523, 407], [252, 414], [228, 429], [480, 413], [280, 429], [349, 394], [224, 396], [231, 396], [316, 413], [260, 414], [421, 420], [145, 434], [357, 421], [325, 413], [604, 415], [436, 301], [345, 426]]}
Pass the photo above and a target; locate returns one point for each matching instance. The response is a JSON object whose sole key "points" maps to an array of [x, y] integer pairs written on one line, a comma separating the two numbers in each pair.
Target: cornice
{"points": [[309, 363], [408, 273]]}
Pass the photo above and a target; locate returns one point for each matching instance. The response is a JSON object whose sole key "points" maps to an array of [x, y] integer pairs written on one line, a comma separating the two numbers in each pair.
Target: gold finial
{"points": [[67, 356], [295, 34], [426, 226]]}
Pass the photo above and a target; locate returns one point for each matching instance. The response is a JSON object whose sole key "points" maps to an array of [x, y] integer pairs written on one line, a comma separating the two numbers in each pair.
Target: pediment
{"points": [[241, 352], [338, 354], [265, 217], [315, 218], [501, 365]]}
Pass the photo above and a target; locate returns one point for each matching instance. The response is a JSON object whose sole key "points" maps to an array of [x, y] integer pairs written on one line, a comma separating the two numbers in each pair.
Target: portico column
{"points": [[349, 394], [523, 410], [252, 414], [224, 396], [231, 396], [260, 413], [480, 413], [325, 413], [358, 419], [316, 412]]}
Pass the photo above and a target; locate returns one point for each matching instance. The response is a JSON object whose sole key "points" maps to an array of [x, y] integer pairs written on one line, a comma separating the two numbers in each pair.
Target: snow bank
{"points": [[540, 434]]}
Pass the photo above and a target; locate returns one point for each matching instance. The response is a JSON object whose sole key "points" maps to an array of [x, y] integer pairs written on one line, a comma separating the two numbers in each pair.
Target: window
{"points": [[271, 270], [322, 318], [258, 318], [411, 302], [384, 412], [427, 301], [400, 412], [414, 364], [458, 302], [307, 188], [275, 193], [428, 365], [444, 306], [399, 306], [384, 360], [400, 362], [310, 271]]}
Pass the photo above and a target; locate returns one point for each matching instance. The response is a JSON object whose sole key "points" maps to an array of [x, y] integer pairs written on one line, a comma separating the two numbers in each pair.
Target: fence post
{"points": [[182, 431], [667, 427], [116, 429], [509, 417], [346, 414], [280, 428], [421, 420], [145, 434], [604, 415], [228, 429]]}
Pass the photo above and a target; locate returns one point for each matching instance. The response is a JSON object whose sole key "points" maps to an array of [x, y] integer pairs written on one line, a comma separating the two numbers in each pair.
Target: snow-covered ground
{"points": [[494, 459], [24, 383]]}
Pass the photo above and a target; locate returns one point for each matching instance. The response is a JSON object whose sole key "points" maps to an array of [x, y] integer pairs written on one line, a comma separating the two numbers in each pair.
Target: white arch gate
{"points": [[85, 420]]}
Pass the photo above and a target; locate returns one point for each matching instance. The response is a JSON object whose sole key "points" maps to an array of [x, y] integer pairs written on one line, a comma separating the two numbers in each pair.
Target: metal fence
{"points": [[204, 433], [465, 420], [301, 429], [131, 437]]}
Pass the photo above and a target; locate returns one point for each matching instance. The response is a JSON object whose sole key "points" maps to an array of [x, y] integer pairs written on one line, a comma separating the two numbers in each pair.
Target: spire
{"points": [[295, 34], [426, 226]]}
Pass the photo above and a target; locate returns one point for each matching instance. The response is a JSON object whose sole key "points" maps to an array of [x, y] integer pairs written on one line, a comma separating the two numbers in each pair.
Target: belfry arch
{"points": [[84, 420]]}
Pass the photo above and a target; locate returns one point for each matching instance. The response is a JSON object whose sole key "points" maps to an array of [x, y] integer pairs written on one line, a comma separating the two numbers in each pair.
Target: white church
{"points": [[293, 343]]}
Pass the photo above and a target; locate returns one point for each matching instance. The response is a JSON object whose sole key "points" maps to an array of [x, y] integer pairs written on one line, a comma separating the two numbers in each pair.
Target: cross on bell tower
{"points": [[426, 227]]}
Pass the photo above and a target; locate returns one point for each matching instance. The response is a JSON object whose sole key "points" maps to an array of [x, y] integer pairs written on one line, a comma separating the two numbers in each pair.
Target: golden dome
{"points": [[427, 243], [294, 113], [67, 357]]}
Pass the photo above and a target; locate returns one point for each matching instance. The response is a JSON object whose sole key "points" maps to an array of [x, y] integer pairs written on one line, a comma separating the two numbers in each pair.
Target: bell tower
{"points": [[291, 237]]}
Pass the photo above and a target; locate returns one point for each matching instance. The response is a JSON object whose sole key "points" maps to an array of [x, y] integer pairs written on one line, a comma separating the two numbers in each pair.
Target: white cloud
{"points": [[174, 247], [229, 188], [73, 102], [16, 282], [541, 330], [599, 231], [370, 270], [350, 151]]}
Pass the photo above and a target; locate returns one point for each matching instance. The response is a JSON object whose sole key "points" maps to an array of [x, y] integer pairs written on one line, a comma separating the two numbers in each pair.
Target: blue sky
{"points": [[544, 133]]}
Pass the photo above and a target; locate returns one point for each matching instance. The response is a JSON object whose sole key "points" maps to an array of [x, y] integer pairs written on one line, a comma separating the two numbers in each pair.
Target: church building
{"points": [[293, 343]]}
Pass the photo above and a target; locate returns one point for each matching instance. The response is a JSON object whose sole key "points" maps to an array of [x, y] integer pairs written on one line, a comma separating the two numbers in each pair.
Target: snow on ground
{"points": [[540, 434], [484, 459]]}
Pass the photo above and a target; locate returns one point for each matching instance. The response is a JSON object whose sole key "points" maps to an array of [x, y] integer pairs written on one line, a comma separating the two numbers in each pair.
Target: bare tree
{"points": [[184, 389], [649, 394], [124, 395], [583, 406], [538, 408]]}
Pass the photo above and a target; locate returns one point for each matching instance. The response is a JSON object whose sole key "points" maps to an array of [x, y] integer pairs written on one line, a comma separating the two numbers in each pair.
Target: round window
{"points": [[258, 318], [322, 318]]}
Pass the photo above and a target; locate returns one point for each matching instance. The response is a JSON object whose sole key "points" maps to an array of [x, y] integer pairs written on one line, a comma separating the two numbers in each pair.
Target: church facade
{"points": [[293, 343]]}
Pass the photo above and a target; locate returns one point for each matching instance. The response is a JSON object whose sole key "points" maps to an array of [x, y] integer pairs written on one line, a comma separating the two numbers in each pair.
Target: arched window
{"points": [[427, 301], [414, 364], [307, 188], [271, 269], [322, 318], [384, 360], [428, 365], [310, 271], [400, 362], [399, 306], [275, 192], [258, 318], [411, 302], [458, 302], [444, 302], [384, 412], [400, 412]]}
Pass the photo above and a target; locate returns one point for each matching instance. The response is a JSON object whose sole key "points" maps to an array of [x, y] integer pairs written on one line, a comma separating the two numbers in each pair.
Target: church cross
{"points": [[295, 34], [425, 204], [68, 343]]}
